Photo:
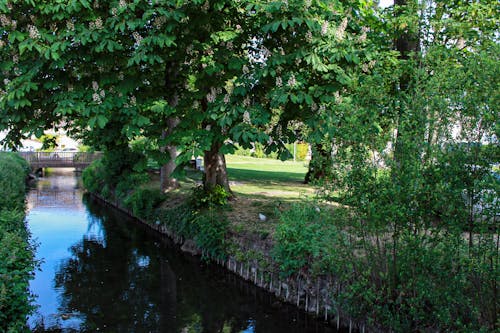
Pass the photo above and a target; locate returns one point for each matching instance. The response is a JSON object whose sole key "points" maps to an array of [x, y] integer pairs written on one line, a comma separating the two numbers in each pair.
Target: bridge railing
{"points": [[60, 158]]}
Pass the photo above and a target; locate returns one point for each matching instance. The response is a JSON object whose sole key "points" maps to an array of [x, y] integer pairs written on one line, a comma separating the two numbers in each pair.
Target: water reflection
{"points": [[107, 273]]}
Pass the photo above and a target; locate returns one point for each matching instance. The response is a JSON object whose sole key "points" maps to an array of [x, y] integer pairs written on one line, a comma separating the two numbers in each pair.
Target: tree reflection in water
{"points": [[127, 279]]}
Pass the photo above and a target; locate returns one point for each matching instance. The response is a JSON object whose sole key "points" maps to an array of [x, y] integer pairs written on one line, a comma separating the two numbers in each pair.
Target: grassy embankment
{"points": [[16, 251]]}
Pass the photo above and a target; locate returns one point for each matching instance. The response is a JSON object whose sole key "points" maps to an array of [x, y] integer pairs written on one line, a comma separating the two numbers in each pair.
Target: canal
{"points": [[103, 272]]}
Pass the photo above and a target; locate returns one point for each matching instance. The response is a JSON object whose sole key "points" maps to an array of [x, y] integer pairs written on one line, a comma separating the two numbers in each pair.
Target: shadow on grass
{"points": [[271, 176]]}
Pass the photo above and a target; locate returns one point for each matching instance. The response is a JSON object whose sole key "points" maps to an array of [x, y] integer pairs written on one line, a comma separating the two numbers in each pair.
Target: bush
{"points": [[304, 239], [16, 252], [211, 230], [144, 201], [13, 172], [91, 177], [179, 220], [201, 197]]}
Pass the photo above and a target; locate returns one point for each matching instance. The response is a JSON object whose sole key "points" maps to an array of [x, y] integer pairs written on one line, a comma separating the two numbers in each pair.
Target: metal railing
{"points": [[60, 159]]}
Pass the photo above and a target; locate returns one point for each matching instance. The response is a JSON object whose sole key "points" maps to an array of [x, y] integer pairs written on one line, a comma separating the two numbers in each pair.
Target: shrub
{"points": [[143, 202], [304, 239], [179, 220], [91, 177], [211, 230], [16, 252], [13, 172], [201, 197]]}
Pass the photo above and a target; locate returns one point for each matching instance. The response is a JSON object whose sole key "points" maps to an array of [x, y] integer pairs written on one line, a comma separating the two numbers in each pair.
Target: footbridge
{"points": [[63, 159]]}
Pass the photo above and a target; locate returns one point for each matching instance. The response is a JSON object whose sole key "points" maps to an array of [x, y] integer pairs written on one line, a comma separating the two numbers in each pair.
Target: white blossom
{"points": [[246, 101], [15, 58], [2, 43], [114, 11], [6, 81], [279, 81], [206, 6], [138, 38], [33, 32], [309, 36], [98, 23], [95, 85], [246, 117], [338, 98], [362, 37], [291, 81], [122, 4], [212, 95], [102, 93], [340, 32], [70, 25], [227, 98], [324, 28], [133, 101], [96, 98], [245, 69], [4, 20], [314, 107], [159, 21]]}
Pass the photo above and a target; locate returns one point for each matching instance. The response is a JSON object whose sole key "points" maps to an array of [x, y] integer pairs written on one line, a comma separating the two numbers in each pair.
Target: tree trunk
{"points": [[320, 164], [215, 169], [166, 181]]}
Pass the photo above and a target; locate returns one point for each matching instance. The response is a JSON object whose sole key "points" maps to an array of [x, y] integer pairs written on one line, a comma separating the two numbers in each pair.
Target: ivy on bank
{"points": [[16, 249]]}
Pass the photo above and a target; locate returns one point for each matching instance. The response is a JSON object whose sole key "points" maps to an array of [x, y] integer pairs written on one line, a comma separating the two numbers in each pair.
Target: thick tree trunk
{"points": [[166, 180], [215, 168], [320, 164]]}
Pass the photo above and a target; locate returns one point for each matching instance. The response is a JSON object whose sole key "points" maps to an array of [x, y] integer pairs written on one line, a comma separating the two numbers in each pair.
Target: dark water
{"points": [[103, 272]]}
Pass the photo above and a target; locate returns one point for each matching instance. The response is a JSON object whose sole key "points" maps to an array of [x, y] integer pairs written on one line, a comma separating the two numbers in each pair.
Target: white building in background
{"points": [[33, 144]]}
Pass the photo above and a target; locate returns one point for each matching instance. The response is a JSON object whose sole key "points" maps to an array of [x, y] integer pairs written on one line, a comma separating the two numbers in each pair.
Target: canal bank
{"points": [[103, 271], [314, 296]]}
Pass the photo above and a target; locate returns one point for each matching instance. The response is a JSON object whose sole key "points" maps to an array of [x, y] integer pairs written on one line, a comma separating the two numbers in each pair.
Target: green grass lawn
{"points": [[263, 177], [245, 168], [257, 178]]}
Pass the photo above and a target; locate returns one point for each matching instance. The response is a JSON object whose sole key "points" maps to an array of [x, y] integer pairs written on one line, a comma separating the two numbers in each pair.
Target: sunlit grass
{"points": [[254, 178]]}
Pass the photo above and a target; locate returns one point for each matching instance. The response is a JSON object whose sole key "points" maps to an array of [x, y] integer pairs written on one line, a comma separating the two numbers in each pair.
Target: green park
{"points": [[340, 157]]}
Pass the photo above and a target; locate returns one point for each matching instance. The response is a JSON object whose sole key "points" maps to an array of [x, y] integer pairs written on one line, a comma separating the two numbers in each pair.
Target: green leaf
{"points": [[101, 121]]}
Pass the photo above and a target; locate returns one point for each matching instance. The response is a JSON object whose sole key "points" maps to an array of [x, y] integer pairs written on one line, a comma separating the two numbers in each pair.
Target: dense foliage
{"points": [[16, 249]]}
